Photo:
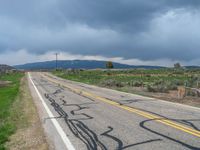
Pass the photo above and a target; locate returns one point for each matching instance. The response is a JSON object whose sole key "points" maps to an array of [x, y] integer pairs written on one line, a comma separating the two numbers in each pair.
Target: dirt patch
{"points": [[4, 83], [29, 134]]}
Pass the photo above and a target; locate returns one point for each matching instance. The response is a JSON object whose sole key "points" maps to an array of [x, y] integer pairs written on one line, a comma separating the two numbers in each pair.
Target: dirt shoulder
{"points": [[29, 134], [172, 96]]}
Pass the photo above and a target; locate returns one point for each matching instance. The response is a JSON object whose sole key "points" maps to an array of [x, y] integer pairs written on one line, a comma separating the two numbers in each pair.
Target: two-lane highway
{"points": [[80, 116]]}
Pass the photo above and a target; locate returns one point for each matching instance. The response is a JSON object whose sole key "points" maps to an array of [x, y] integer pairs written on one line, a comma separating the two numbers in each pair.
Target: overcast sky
{"points": [[154, 32]]}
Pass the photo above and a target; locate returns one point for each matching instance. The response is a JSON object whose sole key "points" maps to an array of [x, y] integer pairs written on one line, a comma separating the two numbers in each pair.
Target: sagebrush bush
{"points": [[135, 83], [157, 88], [163, 86], [111, 83]]}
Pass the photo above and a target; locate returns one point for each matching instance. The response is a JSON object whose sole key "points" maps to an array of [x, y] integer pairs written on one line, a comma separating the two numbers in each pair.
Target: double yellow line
{"points": [[130, 109]]}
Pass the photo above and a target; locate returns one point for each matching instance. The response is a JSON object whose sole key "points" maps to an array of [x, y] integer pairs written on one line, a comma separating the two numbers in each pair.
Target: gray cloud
{"points": [[143, 29]]}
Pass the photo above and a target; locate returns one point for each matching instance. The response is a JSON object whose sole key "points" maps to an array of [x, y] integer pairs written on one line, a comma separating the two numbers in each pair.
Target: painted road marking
{"points": [[130, 109], [62, 134]]}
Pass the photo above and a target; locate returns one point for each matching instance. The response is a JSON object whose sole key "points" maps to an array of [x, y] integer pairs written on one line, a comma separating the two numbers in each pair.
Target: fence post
{"points": [[181, 92]]}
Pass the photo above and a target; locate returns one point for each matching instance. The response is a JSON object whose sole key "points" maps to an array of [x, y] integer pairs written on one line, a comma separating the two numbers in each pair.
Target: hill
{"points": [[5, 68], [84, 64], [192, 67]]}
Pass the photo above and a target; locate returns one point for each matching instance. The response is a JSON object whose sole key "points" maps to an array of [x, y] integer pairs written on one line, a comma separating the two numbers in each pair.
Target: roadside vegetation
{"points": [[20, 126], [149, 82], [157, 80], [9, 89]]}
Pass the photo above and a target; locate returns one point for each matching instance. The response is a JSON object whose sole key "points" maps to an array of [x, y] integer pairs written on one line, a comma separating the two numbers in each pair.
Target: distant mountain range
{"points": [[192, 67], [77, 64]]}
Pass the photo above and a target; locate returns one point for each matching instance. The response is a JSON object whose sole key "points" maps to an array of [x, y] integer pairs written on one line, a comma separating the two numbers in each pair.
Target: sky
{"points": [[136, 32]]}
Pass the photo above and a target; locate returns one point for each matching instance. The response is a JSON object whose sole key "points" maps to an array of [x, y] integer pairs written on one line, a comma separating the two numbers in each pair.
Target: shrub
{"points": [[148, 75], [178, 82], [159, 88], [109, 73], [111, 83], [162, 86], [150, 88], [191, 93], [192, 81], [159, 82], [138, 84]]}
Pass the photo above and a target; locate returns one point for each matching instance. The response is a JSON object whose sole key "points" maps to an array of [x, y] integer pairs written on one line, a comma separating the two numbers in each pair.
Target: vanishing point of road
{"points": [[85, 117]]}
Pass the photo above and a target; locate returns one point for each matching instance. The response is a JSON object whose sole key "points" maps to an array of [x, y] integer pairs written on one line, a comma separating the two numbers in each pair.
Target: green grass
{"points": [[8, 95]]}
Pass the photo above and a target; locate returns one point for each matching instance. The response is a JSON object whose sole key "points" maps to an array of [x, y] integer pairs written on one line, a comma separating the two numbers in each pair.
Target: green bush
{"points": [[150, 88], [135, 83], [158, 88], [163, 86], [112, 83]]}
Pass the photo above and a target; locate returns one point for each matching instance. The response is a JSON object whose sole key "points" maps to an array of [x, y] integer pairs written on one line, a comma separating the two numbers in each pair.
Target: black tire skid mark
{"points": [[182, 121], [120, 143], [78, 128], [142, 125]]}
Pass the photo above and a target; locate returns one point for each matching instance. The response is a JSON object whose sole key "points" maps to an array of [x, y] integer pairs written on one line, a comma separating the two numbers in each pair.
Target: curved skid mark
{"points": [[78, 128], [142, 125]]}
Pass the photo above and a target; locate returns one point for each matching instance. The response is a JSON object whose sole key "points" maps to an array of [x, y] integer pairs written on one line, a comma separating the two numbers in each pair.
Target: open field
{"points": [[158, 83]]}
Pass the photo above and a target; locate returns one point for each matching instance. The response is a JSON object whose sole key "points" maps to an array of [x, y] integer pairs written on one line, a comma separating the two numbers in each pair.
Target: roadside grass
{"points": [[8, 95], [29, 133]]}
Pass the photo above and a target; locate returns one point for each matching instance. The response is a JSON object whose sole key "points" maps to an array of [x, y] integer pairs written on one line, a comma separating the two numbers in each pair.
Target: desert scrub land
{"points": [[158, 83]]}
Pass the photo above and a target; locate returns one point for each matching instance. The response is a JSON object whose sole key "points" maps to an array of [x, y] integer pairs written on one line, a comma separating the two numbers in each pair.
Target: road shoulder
{"points": [[29, 134]]}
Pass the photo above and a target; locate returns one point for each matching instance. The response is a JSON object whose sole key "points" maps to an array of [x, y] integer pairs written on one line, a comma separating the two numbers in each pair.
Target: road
{"points": [[80, 116]]}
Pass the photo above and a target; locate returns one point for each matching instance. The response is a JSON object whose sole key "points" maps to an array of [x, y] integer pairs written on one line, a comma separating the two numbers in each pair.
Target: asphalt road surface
{"points": [[85, 117]]}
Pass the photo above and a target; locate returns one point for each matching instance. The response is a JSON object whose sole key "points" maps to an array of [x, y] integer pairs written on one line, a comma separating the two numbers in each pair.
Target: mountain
{"points": [[75, 64], [5, 68], [192, 67]]}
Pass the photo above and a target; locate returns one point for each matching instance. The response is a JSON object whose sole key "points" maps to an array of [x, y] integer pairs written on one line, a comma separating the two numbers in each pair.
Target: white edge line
{"points": [[65, 139]]}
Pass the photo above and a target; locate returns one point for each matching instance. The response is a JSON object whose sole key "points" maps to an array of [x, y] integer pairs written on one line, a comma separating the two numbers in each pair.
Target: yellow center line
{"points": [[151, 116], [130, 109]]}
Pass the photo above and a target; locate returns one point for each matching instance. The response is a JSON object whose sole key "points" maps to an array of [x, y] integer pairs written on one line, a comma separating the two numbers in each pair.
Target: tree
{"points": [[177, 65], [109, 65]]}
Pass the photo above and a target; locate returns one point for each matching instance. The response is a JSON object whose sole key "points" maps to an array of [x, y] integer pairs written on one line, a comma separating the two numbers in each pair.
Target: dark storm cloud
{"points": [[144, 29], [131, 15]]}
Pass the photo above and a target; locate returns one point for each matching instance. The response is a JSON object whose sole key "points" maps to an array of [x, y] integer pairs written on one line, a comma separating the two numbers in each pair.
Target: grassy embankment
{"points": [[155, 80], [8, 94]]}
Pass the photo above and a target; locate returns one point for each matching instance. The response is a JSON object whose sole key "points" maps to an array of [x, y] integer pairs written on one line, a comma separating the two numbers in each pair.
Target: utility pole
{"points": [[56, 60]]}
